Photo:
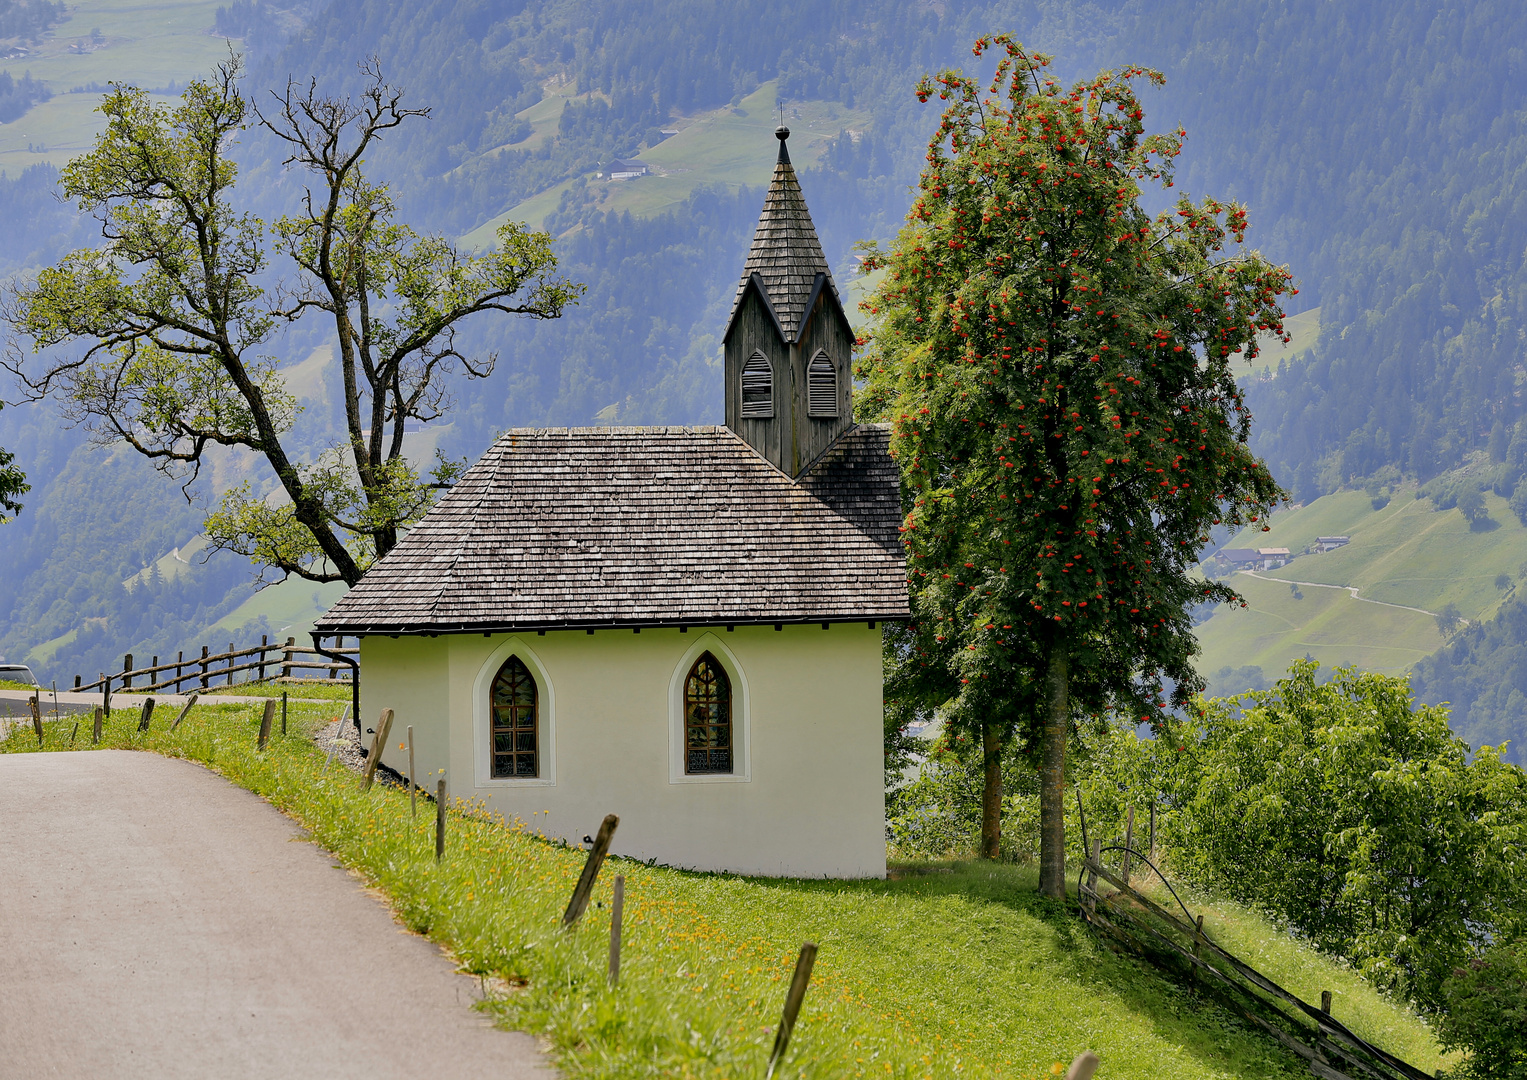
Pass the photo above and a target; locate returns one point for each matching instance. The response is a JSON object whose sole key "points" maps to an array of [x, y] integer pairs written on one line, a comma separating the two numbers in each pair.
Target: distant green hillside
{"points": [[1405, 555]]}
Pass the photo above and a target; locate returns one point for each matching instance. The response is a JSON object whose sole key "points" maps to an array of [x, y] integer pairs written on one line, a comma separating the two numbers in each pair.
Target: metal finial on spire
{"points": [[782, 133]]}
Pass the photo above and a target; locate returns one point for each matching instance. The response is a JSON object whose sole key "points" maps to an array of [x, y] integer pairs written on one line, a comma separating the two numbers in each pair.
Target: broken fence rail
{"points": [[1138, 924]]}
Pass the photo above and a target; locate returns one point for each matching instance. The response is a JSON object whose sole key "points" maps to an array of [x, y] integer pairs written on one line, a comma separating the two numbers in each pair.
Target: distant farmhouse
{"points": [[1252, 558], [625, 170], [681, 626], [1331, 543]]}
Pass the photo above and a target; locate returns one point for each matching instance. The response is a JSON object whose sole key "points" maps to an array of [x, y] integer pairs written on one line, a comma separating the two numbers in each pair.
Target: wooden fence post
{"points": [[286, 664], [1129, 841], [76, 684], [263, 639], [798, 982], [585, 887], [106, 693], [283, 714], [440, 820], [378, 741], [1092, 877], [127, 667], [204, 651], [265, 719], [36, 717], [617, 907], [148, 711], [184, 712], [180, 657], [1325, 1002], [229, 666], [413, 785], [95, 732], [1084, 1067]]}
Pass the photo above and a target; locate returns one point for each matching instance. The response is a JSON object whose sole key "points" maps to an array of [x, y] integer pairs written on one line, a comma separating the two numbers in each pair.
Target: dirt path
{"points": [[1351, 589], [158, 921]]}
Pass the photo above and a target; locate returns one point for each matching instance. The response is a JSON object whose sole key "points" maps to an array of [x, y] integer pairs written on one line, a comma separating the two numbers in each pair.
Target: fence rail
{"points": [[1132, 921], [265, 660]]}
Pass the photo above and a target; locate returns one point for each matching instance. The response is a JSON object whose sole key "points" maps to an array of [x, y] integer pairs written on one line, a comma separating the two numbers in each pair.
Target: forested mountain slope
{"points": [[1379, 147]]}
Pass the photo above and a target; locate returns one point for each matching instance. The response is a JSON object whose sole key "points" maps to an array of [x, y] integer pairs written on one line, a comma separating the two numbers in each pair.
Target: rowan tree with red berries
{"points": [[1056, 364]]}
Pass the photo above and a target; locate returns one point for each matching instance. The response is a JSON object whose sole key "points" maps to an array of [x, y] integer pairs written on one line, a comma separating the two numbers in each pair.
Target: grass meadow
{"points": [[946, 970]]}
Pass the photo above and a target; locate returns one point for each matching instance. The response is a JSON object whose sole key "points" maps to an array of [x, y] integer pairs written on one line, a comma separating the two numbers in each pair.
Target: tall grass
{"points": [[947, 971]]}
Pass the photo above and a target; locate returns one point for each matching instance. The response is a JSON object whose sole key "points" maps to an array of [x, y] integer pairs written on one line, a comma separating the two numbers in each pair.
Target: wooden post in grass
{"points": [[75, 732], [379, 740], [264, 640], [1129, 841], [229, 680], [127, 667], [180, 657], [1084, 1067], [283, 714], [1325, 1002], [265, 721], [1198, 937], [585, 886], [106, 693], [286, 653], [617, 909], [148, 711], [184, 712], [95, 731], [797, 994], [413, 786], [1091, 899], [36, 717], [204, 651], [440, 820]]}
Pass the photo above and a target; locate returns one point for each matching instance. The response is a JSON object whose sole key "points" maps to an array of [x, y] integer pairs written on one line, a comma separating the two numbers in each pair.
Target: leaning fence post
{"points": [[265, 719], [95, 731], [617, 909], [184, 712], [148, 711], [1084, 1067], [383, 729], [1096, 859], [802, 976], [283, 714], [440, 820], [585, 886]]}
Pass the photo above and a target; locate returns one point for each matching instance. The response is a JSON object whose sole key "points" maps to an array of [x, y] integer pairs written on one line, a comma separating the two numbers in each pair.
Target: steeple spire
{"points": [[788, 343]]}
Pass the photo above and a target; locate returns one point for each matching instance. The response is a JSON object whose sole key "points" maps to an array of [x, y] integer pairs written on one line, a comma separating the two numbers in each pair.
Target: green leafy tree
{"points": [[13, 485], [1057, 367], [174, 310], [1486, 1013]]}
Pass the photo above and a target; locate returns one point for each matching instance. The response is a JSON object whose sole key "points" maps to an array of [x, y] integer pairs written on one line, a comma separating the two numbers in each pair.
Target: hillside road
{"points": [[158, 921]]}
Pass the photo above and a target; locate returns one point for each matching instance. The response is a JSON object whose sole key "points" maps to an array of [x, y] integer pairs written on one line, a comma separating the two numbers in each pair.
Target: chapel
{"points": [[681, 626]]}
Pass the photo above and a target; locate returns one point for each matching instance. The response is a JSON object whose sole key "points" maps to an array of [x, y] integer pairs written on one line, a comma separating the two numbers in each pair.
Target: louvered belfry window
{"points": [[514, 722], [757, 388], [707, 718], [821, 387]]}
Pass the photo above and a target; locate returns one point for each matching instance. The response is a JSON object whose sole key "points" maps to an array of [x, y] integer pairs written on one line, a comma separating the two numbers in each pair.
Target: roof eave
{"points": [[510, 626]]}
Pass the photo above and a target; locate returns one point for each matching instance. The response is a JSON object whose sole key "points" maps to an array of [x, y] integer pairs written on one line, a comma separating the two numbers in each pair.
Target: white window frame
{"points": [[742, 757], [482, 719]]}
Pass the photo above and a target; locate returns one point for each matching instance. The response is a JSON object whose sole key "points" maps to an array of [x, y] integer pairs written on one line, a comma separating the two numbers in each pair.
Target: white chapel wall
{"points": [[807, 798]]}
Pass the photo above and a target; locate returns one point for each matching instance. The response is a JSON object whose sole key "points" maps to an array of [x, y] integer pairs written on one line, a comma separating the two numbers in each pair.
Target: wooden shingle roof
{"points": [[786, 254], [626, 527]]}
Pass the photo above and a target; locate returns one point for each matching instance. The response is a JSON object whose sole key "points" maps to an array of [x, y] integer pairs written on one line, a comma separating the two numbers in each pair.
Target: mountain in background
{"points": [[1378, 146]]}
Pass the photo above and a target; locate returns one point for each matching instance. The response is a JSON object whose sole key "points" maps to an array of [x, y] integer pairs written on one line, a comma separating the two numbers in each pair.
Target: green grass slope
{"points": [[944, 971], [147, 44], [1404, 555], [716, 148]]}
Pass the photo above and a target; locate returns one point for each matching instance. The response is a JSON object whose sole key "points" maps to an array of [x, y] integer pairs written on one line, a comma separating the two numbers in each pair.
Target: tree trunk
{"points": [[991, 798], [1052, 779]]}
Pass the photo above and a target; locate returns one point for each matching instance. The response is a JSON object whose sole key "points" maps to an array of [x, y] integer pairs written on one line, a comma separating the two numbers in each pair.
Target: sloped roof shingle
{"points": [[590, 527]]}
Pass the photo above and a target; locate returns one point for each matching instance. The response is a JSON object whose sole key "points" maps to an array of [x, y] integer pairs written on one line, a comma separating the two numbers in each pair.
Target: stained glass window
{"points": [[707, 718], [514, 721]]}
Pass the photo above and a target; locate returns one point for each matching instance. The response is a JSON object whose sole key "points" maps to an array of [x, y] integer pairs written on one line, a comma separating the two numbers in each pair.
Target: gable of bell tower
{"points": [[788, 344]]}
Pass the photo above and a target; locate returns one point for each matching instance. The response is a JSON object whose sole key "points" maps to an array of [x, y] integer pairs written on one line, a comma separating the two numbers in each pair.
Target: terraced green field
{"points": [[1405, 555]]}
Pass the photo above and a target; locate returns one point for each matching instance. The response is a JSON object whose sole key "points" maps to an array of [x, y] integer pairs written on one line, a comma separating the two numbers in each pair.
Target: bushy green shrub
{"points": [[1485, 1003]]}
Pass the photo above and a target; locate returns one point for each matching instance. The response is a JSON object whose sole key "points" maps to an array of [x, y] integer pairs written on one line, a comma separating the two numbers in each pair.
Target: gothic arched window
{"points": [[515, 728], [757, 387], [821, 387], [707, 718]]}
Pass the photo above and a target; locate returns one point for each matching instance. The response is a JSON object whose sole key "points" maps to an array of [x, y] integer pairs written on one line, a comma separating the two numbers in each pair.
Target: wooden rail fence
{"points": [[1130, 921], [260, 663]]}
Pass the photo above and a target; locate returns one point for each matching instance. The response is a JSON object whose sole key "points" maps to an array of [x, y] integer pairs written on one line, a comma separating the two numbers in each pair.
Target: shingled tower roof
{"points": [[786, 254]]}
